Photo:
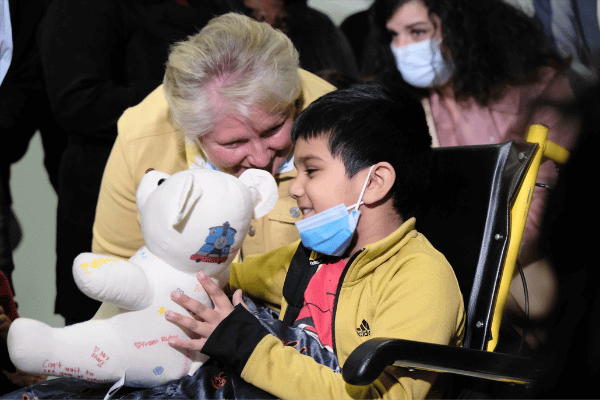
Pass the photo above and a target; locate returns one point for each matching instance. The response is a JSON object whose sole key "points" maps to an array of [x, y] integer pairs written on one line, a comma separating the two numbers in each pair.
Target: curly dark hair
{"points": [[491, 43]]}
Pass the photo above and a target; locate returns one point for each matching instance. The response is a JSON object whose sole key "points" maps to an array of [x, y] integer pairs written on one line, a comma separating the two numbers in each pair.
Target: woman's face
{"points": [[411, 23], [262, 141]]}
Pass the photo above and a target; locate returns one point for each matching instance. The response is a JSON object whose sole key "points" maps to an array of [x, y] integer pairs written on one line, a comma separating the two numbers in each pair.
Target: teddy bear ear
{"points": [[263, 189], [189, 194], [150, 181]]}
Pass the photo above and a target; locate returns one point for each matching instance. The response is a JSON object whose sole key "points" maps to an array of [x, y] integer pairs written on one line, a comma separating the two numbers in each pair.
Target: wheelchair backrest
{"points": [[467, 217]]}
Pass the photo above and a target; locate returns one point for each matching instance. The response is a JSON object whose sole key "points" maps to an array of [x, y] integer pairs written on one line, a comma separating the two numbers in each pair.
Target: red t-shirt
{"points": [[316, 314]]}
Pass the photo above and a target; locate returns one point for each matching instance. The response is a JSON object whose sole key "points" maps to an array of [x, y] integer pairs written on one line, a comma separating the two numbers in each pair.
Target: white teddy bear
{"points": [[194, 220]]}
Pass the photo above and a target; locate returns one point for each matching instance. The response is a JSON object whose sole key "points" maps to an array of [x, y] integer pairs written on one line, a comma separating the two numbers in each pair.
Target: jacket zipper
{"points": [[337, 295]]}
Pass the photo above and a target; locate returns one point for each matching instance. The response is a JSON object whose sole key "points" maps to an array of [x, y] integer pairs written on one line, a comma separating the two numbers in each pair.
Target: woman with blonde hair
{"points": [[228, 100]]}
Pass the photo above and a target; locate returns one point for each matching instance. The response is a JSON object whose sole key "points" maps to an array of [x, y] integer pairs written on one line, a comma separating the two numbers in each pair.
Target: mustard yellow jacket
{"points": [[146, 139], [401, 286]]}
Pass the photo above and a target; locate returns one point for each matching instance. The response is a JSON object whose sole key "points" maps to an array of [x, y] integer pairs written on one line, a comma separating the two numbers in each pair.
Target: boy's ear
{"points": [[380, 183]]}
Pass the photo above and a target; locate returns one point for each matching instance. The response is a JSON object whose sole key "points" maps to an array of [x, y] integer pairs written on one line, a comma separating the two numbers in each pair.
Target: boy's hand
{"points": [[202, 320]]}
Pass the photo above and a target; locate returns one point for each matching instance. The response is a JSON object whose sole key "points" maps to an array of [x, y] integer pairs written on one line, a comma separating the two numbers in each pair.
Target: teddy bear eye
{"points": [[161, 181]]}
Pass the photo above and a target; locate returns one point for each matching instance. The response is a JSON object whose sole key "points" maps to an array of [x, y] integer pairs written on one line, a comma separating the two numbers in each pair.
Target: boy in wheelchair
{"points": [[369, 274]]}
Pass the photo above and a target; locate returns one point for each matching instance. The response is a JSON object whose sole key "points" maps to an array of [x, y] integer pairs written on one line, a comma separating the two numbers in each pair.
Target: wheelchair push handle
{"points": [[539, 134]]}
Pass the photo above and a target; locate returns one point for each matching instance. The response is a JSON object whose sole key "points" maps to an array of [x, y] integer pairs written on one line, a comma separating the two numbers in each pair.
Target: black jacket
{"points": [[101, 57]]}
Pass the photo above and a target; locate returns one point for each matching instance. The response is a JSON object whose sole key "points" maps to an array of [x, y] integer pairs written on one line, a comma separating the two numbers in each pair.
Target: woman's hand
{"points": [[202, 320]]}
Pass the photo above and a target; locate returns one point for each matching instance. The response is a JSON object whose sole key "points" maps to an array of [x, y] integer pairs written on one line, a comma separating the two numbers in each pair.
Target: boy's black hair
{"points": [[370, 123]]}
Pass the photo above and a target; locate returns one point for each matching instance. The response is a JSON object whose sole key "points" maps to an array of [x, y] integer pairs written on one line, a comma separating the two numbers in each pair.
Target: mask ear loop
{"points": [[362, 192]]}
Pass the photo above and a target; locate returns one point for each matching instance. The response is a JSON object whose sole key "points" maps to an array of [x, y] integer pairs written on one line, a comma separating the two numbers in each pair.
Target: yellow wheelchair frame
{"points": [[547, 149]]}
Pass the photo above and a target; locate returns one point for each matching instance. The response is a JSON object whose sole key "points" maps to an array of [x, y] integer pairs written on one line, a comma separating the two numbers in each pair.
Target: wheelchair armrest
{"points": [[368, 361]]}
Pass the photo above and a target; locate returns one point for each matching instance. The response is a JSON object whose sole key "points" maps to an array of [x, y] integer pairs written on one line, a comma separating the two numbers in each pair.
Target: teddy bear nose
{"points": [[148, 170]]}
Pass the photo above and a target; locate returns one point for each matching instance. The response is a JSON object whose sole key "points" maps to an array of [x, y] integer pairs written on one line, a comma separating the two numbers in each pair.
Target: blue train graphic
{"points": [[217, 246]]}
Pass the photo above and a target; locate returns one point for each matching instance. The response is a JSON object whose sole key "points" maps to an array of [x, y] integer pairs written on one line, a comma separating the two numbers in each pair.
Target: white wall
{"points": [[34, 203]]}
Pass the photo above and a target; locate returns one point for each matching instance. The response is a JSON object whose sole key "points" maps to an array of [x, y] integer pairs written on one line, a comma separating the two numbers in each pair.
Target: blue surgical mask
{"points": [[422, 64], [331, 231]]}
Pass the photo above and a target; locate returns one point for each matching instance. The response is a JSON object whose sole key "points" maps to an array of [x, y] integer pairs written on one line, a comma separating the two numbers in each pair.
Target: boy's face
{"points": [[322, 182]]}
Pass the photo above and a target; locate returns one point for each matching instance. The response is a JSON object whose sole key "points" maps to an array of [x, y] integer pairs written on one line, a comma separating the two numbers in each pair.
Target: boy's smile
{"points": [[322, 182]]}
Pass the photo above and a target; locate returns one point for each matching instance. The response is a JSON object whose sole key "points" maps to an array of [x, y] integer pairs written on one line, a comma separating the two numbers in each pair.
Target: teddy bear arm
{"points": [[114, 280]]}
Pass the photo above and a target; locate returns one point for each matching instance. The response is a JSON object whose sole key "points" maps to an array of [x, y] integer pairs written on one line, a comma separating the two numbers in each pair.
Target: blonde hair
{"points": [[231, 65]]}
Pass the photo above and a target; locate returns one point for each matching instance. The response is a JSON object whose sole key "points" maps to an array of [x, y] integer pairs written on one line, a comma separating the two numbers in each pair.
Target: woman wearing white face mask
{"points": [[481, 68]]}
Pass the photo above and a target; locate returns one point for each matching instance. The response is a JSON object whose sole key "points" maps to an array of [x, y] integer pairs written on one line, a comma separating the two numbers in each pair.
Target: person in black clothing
{"points": [[320, 44], [24, 109], [356, 28], [100, 58], [571, 352]]}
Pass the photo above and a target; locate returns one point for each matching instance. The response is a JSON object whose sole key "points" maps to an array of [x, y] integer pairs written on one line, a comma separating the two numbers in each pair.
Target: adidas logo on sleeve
{"points": [[363, 329]]}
